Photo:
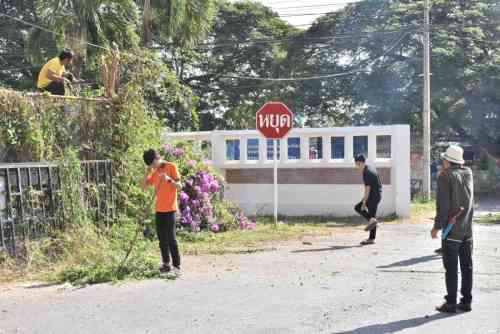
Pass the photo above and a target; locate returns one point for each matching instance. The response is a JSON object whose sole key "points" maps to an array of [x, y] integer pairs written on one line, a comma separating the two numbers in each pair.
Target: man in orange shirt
{"points": [[164, 176]]}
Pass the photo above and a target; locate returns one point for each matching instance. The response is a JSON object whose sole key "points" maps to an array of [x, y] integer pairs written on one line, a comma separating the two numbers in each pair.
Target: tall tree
{"points": [[80, 22], [242, 42]]}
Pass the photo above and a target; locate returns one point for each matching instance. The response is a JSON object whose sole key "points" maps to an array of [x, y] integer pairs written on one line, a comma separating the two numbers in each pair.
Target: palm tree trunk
{"points": [[146, 23]]}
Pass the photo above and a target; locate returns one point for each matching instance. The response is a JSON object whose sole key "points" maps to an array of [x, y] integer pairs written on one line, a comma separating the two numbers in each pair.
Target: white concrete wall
{"points": [[305, 200], [314, 199]]}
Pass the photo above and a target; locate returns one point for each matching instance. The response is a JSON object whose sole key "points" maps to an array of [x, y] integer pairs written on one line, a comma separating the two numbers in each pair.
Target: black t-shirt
{"points": [[371, 178]]}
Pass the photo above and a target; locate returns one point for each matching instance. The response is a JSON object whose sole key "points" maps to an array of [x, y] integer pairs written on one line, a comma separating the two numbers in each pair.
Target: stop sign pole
{"points": [[274, 121]]}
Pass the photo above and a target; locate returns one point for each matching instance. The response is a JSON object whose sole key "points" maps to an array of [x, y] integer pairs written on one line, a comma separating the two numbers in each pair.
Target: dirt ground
{"points": [[328, 285]]}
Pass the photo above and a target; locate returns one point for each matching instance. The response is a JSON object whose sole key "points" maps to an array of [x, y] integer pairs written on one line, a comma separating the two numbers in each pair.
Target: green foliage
{"points": [[147, 74], [186, 77], [29, 132], [73, 209], [98, 22], [183, 22]]}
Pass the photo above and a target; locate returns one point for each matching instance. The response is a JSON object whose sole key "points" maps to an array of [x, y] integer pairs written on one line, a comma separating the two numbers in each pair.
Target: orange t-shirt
{"points": [[166, 193]]}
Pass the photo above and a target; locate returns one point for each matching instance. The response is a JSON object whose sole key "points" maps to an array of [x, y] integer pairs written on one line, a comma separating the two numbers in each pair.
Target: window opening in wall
{"points": [[270, 153], [294, 148], [253, 149], [206, 149], [315, 148], [338, 148], [232, 149], [360, 144], [383, 147]]}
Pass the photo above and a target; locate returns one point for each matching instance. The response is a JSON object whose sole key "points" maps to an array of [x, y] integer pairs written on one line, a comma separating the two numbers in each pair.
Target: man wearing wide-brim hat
{"points": [[454, 207]]}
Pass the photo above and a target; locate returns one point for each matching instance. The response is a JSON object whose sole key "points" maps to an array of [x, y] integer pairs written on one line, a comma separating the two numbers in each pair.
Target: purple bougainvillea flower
{"points": [[189, 182], [184, 197], [205, 187], [214, 186], [215, 228], [178, 152], [251, 226], [195, 227], [167, 148]]}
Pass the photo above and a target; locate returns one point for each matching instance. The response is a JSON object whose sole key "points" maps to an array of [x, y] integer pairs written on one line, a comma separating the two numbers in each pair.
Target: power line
{"points": [[326, 76], [305, 14], [269, 4], [308, 6], [319, 39]]}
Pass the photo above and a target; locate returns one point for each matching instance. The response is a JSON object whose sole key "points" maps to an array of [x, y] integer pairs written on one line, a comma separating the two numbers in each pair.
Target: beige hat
{"points": [[454, 153]]}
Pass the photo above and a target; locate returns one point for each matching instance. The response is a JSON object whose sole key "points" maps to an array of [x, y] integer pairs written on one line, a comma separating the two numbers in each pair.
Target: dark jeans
{"points": [[452, 252], [372, 206], [165, 229], [55, 88]]}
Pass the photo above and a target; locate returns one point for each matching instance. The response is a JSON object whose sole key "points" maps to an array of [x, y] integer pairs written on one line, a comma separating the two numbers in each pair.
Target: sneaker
{"points": [[165, 268], [447, 308], [367, 242], [177, 271], [464, 307], [371, 224], [439, 251]]}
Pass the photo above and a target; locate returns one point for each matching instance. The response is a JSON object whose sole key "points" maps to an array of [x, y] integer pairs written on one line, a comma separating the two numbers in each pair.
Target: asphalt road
{"points": [[329, 286]]}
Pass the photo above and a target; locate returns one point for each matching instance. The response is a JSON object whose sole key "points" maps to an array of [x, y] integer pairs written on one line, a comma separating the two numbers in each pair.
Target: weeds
{"points": [[86, 254]]}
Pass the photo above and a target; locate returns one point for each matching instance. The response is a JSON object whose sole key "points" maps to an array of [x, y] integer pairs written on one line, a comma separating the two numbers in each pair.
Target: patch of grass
{"points": [[88, 255], [238, 241], [421, 209], [492, 218]]}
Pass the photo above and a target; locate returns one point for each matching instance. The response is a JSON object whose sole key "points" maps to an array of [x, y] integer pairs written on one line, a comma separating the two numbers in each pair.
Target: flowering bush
{"points": [[201, 202]]}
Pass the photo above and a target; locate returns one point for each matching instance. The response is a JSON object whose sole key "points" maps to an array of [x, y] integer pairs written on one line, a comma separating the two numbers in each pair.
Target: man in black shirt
{"points": [[373, 194]]}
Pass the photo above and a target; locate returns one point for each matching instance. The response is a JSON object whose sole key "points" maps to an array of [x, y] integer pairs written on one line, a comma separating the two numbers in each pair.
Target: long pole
{"points": [[427, 105], [275, 182]]}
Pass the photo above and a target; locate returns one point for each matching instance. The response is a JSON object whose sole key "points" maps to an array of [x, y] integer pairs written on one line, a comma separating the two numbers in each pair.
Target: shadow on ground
{"points": [[40, 285], [491, 218], [396, 326], [411, 262], [331, 248]]}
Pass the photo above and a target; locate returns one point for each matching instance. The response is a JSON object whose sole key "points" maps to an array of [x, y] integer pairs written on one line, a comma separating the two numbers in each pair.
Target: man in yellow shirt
{"points": [[51, 77]]}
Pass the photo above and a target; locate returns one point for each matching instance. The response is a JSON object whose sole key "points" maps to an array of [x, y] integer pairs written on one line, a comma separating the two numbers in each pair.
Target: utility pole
{"points": [[427, 105]]}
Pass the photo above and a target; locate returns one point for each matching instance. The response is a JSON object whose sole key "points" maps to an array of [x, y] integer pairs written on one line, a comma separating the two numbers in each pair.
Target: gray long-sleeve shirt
{"points": [[455, 189]]}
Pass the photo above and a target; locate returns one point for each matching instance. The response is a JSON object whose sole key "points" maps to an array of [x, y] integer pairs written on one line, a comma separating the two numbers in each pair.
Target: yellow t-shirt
{"points": [[55, 66]]}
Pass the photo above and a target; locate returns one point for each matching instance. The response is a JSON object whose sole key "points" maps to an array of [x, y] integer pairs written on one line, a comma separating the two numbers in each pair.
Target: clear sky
{"points": [[295, 11]]}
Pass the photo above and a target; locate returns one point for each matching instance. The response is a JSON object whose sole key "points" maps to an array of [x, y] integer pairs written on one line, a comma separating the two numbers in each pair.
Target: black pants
{"points": [[452, 252], [55, 88], [372, 206], [165, 229]]}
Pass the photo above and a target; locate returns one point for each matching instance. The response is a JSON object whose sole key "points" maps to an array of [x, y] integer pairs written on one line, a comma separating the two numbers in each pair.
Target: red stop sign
{"points": [[274, 120]]}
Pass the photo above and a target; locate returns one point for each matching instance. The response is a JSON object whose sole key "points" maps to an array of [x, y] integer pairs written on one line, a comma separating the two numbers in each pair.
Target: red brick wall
{"points": [[302, 176]]}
